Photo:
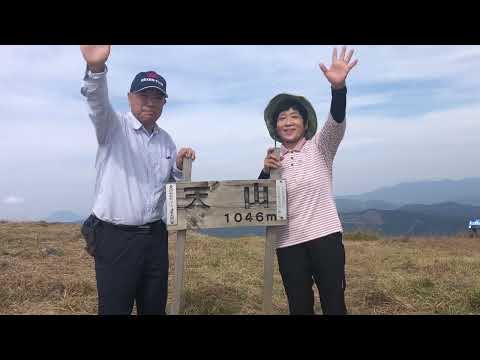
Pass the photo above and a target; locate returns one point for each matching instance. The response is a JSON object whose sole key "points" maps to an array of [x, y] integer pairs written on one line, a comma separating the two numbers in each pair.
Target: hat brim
{"points": [[151, 87], [271, 109]]}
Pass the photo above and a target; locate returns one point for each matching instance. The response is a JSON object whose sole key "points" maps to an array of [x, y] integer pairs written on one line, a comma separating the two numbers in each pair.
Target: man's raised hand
{"points": [[96, 56]]}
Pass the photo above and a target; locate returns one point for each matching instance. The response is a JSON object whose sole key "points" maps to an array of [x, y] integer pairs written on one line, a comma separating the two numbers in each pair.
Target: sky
{"points": [[412, 114]]}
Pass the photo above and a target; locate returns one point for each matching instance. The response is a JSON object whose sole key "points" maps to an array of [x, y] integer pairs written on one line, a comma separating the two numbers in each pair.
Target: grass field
{"points": [[45, 270]]}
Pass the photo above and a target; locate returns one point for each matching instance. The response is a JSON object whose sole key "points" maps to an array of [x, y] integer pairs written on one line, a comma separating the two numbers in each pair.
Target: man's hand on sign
{"points": [[96, 56], [184, 152]]}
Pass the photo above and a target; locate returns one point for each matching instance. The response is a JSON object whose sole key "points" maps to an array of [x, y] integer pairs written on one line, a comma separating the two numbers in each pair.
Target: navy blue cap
{"points": [[149, 79]]}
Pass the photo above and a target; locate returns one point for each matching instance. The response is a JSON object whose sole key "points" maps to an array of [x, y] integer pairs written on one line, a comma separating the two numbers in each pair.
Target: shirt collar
{"points": [[297, 148]]}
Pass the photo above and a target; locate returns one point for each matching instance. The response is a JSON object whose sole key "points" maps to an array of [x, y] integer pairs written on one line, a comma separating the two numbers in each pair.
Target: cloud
{"points": [[411, 115], [13, 200], [382, 151]]}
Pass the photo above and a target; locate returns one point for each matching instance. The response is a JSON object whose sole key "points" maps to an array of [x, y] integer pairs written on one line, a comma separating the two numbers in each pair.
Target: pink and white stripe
{"points": [[307, 169]]}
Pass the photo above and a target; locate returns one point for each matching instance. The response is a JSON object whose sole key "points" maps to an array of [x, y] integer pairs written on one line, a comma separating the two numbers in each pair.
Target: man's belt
{"points": [[135, 228]]}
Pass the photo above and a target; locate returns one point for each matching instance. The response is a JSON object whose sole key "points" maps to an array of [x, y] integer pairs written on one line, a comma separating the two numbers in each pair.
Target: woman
{"points": [[310, 247]]}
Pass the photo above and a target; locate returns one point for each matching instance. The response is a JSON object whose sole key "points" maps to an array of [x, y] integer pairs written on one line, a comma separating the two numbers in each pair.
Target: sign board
{"points": [[223, 204]]}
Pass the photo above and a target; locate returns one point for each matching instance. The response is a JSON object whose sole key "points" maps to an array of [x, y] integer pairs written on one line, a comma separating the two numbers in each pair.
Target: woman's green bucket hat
{"points": [[311, 121]]}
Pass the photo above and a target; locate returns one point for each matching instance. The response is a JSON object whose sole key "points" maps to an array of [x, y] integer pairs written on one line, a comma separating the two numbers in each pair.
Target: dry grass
{"points": [[44, 270]]}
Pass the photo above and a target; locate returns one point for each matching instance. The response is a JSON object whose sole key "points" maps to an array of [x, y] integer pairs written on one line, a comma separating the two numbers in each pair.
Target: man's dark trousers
{"points": [[131, 264]]}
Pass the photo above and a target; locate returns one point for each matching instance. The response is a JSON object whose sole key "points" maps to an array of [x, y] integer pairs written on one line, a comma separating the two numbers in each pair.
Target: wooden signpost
{"points": [[223, 204]]}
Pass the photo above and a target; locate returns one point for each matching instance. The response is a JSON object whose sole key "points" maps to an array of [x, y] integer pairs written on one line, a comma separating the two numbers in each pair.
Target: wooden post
{"points": [[177, 305], [268, 263]]}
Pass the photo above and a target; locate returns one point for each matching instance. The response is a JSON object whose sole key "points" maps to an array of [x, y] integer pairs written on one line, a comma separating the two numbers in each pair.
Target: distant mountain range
{"points": [[447, 209], [416, 208], [465, 191], [437, 219]]}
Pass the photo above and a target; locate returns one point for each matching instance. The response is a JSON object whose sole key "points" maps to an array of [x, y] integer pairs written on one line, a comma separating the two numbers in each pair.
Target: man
{"points": [[310, 247], [126, 233]]}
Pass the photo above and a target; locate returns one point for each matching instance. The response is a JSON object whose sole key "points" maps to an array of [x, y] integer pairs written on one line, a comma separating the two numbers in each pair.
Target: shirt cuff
{"points": [[341, 91], [177, 173], [89, 75]]}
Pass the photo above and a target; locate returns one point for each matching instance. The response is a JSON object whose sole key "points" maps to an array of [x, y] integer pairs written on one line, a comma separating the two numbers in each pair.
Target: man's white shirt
{"points": [[133, 166]]}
